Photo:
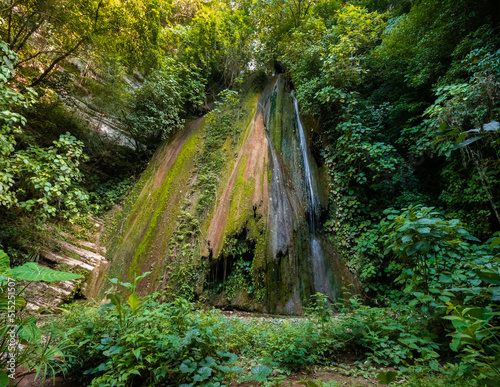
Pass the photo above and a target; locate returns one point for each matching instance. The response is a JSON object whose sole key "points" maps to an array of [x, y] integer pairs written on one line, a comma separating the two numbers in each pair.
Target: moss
{"points": [[143, 226], [231, 149], [174, 182], [261, 247], [240, 206]]}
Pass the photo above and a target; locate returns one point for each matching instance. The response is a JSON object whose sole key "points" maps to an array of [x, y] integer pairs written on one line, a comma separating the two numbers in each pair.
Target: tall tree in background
{"points": [[43, 33]]}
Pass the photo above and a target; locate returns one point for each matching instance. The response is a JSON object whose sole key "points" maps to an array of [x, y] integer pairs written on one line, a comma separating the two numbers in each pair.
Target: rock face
{"points": [[77, 256], [252, 249]]}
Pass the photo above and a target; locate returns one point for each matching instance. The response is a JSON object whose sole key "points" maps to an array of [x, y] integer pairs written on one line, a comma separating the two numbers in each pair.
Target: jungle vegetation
{"points": [[407, 94]]}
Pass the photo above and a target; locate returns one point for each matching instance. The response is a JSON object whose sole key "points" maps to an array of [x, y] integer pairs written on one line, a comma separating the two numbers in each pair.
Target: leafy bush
{"points": [[19, 327], [36, 180], [139, 339], [159, 107]]}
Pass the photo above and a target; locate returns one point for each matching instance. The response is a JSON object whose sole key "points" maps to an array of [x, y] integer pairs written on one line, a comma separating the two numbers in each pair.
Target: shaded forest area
{"points": [[406, 95]]}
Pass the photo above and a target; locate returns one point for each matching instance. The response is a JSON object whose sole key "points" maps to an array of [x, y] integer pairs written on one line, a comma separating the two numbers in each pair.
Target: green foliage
{"points": [[109, 193], [159, 106], [33, 272], [118, 304], [476, 338], [17, 326], [217, 41], [45, 33], [219, 126], [387, 377], [184, 275], [141, 340], [320, 308], [426, 246], [41, 181]]}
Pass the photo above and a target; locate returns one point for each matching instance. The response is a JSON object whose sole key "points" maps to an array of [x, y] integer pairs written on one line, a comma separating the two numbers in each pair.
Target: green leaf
{"points": [[4, 379], [387, 378], [115, 299], [33, 272], [228, 357], [140, 278], [203, 374], [406, 239], [29, 331], [467, 142], [209, 361], [446, 279], [134, 302], [188, 366], [260, 373], [491, 275], [491, 382], [5, 261], [495, 243]]}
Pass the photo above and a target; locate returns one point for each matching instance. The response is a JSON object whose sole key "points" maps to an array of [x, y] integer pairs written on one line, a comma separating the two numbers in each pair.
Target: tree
{"points": [[159, 107], [44, 33], [41, 181], [217, 42]]}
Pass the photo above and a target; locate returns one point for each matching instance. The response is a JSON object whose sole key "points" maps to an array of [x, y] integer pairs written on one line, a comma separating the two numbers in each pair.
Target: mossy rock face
{"points": [[147, 220], [250, 248]]}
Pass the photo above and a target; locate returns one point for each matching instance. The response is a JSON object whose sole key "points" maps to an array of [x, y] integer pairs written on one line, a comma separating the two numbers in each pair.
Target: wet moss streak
{"points": [[169, 199]]}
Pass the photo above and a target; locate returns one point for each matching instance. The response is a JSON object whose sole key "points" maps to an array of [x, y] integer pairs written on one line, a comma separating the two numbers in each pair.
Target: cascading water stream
{"points": [[321, 281], [312, 200]]}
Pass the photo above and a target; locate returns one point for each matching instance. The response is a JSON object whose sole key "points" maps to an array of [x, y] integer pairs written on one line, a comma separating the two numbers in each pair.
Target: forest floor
{"points": [[348, 373], [325, 375]]}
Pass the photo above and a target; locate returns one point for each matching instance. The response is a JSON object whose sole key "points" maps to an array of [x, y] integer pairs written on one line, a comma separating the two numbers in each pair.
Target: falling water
{"points": [[321, 281], [312, 200]]}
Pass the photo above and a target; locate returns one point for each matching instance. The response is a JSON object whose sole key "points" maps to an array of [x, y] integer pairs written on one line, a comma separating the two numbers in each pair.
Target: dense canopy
{"points": [[402, 100]]}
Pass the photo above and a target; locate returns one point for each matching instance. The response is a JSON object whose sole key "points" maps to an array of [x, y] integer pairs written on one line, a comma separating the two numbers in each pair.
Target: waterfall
{"points": [[312, 198], [322, 282]]}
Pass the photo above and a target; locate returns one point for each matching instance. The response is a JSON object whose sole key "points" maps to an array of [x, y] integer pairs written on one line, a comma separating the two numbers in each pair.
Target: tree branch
{"points": [[56, 61], [28, 35]]}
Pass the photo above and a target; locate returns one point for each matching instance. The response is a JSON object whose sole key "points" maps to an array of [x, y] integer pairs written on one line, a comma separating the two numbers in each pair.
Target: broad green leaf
{"points": [[134, 302], [140, 278], [208, 362], [228, 357], [203, 374], [29, 331], [467, 142], [115, 299], [4, 379], [387, 378], [5, 261], [406, 239], [188, 366], [495, 243], [260, 373], [491, 276], [33, 272]]}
